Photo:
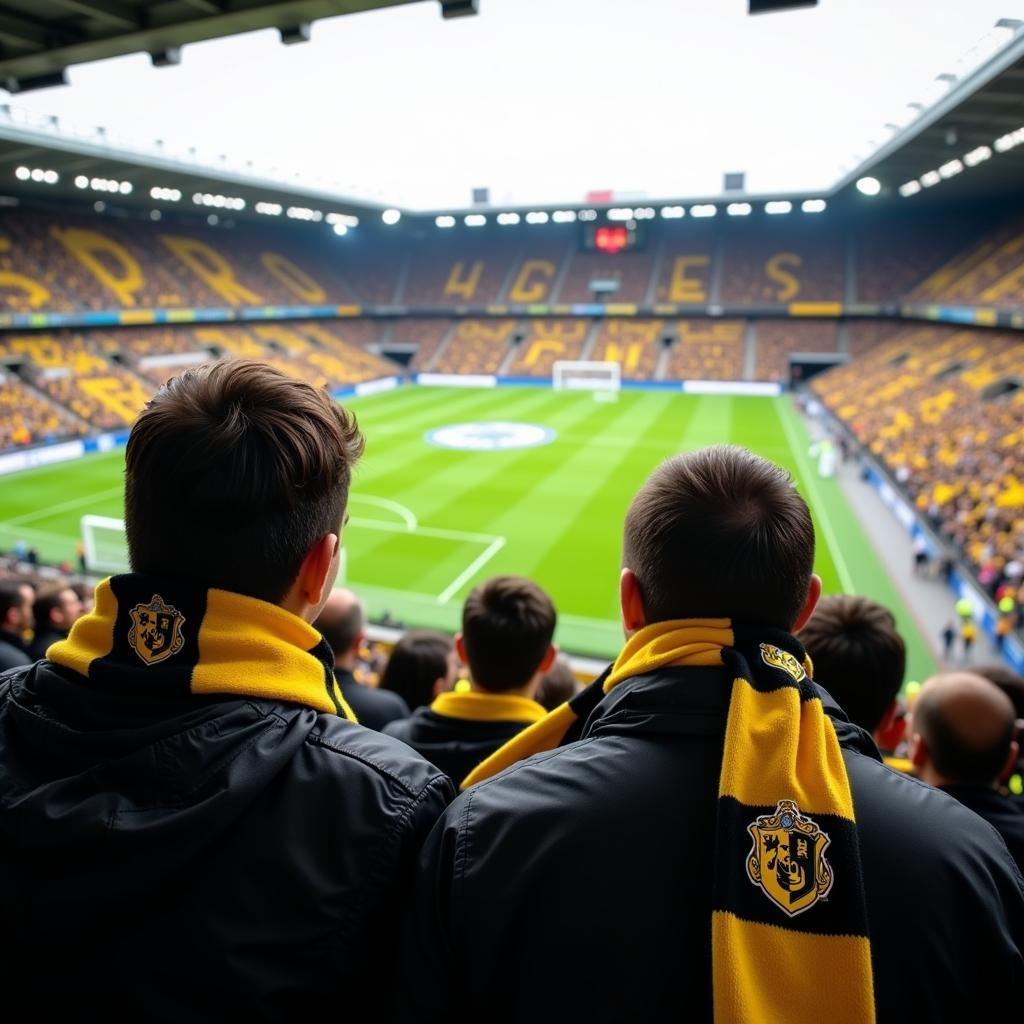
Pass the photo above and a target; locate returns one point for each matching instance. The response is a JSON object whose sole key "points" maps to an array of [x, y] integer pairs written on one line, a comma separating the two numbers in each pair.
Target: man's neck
{"points": [[347, 663], [526, 691]]}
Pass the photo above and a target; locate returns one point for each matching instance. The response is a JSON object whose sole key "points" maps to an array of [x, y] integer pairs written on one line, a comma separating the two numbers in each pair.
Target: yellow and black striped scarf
{"points": [[173, 639], [789, 913]]}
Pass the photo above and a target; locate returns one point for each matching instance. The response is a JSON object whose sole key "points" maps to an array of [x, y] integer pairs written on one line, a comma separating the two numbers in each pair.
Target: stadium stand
{"points": [[633, 344], [632, 272], [537, 272], [777, 340], [684, 266], [426, 333], [707, 350], [476, 346], [943, 409], [864, 335], [455, 272], [27, 418], [544, 342]]}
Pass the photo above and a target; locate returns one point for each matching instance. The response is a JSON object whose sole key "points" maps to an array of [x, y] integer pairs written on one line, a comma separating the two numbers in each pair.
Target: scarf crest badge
{"points": [[156, 633]]}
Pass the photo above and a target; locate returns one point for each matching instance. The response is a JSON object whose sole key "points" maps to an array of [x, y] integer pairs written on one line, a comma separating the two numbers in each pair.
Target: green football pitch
{"points": [[428, 522]]}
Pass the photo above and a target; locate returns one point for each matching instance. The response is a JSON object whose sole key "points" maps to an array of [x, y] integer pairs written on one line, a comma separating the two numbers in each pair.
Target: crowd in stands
{"points": [[545, 342], [29, 418], [943, 410], [708, 350], [476, 346], [777, 340]]}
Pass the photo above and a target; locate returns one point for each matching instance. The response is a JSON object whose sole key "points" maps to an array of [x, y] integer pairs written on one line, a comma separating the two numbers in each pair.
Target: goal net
{"points": [[602, 378], [106, 548]]}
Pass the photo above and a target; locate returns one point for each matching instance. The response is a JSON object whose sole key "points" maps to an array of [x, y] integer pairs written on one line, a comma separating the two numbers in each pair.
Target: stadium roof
{"points": [[39, 39]]}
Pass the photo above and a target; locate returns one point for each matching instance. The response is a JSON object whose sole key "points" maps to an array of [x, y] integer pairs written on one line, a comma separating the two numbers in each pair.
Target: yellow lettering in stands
{"points": [[461, 286], [108, 261], [34, 293], [294, 278], [629, 356], [209, 266], [538, 348], [687, 289], [532, 282], [775, 268]]}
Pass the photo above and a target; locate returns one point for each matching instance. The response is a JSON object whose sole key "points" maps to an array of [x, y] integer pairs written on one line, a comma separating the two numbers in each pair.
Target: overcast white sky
{"points": [[542, 100]]}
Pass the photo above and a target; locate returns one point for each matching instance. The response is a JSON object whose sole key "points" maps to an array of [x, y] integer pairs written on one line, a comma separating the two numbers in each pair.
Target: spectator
{"points": [[963, 742], [859, 657], [55, 611], [557, 685], [968, 631], [507, 626], [662, 812], [189, 815], [343, 625], [1013, 686], [423, 665], [15, 623], [948, 639]]}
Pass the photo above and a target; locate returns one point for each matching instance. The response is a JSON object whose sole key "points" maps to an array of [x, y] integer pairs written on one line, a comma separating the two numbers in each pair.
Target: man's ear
{"points": [[460, 649], [918, 752], [631, 602], [813, 593], [1011, 762], [548, 660], [892, 727], [317, 568]]}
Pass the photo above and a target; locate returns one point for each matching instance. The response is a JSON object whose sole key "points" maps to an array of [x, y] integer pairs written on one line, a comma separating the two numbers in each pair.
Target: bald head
{"points": [[342, 623], [963, 726]]}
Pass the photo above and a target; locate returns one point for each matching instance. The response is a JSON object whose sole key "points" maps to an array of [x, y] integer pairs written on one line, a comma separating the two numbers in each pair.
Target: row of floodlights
{"points": [[951, 168], [626, 213], [40, 175]]}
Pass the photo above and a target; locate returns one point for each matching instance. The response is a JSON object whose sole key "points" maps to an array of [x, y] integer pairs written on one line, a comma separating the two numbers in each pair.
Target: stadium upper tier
{"points": [[75, 263]]}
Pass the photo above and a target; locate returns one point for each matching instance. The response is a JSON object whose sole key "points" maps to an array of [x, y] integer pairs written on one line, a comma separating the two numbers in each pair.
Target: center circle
{"points": [[489, 436]]}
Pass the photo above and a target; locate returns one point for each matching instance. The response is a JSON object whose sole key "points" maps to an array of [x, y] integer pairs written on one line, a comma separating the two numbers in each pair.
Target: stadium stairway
{"points": [[663, 360], [749, 350], [513, 350], [591, 342], [440, 350]]}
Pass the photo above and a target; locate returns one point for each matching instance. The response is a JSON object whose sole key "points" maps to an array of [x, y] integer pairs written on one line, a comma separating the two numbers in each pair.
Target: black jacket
{"points": [[41, 642], [455, 745], [374, 708], [198, 858], [13, 653], [1004, 813], [576, 885]]}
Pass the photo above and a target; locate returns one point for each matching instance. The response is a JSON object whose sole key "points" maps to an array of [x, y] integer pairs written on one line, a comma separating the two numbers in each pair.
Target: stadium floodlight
{"points": [[644, 213], [391, 217], [620, 213], [22, 173], [508, 218], [36, 174], [82, 181], [99, 206], [564, 216], [738, 209], [777, 206], [930, 178], [213, 220], [125, 188], [869, 186], [51, 177], [474, 220], [269, 209], [446, 220], [672, 212], [340, 229], [950, 169], [909, 188], [813, 205], [537, 217], [703, 210], [587, 215], [976, 156]]}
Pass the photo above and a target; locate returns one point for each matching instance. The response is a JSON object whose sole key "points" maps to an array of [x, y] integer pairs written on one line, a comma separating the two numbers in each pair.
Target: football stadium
{"points": [[548, 265]]}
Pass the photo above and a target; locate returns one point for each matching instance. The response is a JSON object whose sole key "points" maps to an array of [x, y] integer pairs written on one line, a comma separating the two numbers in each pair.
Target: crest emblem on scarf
{"points": [[156, 630], [787, 862], [778, 658]]}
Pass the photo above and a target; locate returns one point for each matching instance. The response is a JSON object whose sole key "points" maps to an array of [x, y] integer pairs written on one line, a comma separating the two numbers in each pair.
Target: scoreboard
{"points": [[611, 239]]}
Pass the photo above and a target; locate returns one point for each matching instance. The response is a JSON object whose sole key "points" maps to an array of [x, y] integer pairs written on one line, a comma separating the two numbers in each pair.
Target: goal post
{"points": [[105, 544], [603, 379]]}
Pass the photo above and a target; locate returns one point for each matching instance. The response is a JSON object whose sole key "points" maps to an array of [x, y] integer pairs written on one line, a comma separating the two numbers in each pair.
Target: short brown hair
{"points": [[858, 655], [720, 532], [232, 473], [507, 626]]}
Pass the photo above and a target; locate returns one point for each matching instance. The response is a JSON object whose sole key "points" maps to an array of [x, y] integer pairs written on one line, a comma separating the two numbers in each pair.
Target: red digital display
{"points": [[611, 239]]}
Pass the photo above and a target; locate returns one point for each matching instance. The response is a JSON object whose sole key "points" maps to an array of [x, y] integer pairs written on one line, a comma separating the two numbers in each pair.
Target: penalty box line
{"points": [[494, 544]]}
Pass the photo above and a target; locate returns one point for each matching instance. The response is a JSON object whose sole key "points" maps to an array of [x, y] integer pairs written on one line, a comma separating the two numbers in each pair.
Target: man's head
{"points": [[237, 477], [56, 608], [16, 607], [718, 532], [962, 729], [507, 626], [342, 622], [858, 655], [422, 665]]}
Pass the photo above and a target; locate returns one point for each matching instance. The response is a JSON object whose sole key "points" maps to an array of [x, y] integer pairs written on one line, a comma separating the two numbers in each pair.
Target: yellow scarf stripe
{"points": [[676, 642], [268, 656], [777, 745], [764, 974], [544, 734], [91, 637], [488, 707]]}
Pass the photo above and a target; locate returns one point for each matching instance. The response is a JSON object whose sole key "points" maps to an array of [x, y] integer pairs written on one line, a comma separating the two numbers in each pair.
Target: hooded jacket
{"points": [[576, 885], [168, 855]]}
